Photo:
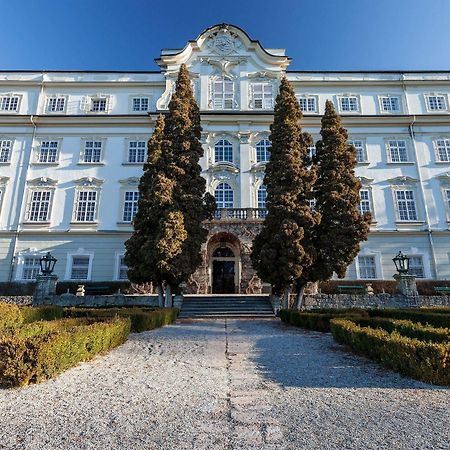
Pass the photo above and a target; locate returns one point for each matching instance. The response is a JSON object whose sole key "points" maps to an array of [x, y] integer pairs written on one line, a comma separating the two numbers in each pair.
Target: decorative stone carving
{"points": [[42, 181], [89, 181], [224, 41]]}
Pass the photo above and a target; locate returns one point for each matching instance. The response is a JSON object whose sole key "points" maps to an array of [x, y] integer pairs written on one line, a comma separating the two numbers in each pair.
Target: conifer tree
{"points": [[342, 227], [284, 247], [165, 246]]}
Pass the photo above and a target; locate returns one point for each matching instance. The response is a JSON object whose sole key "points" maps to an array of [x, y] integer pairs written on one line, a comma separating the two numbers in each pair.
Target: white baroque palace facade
{"points": [[72, 146]]}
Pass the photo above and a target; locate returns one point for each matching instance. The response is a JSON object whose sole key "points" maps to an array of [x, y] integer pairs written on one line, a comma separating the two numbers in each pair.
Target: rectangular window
{"points": [[390, 104], [137, 152], [262, 96], [397, 151], [9, 103], [447, 198], [360, 150], [223, 94], [307, 104], [312, 151], [130, 205], [5, 150], [140, 104], [406, 205], [364, 201], [436, 103], [56, 104], [98, 104], [31, 267], [92, 151], [416, 266], [367, 267], [48, 152], [80, 267], [312, 204], [122, 270], [86, 208], [348, 104], [443, 150], [39, 209]]}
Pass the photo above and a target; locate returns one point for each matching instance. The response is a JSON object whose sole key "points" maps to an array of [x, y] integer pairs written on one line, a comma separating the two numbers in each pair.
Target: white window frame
{"points": [[138, 147], [418, 255], [446, 197], [438, 111], [69, 265], [83, 151], [39, 150], [31, 253], [313, 98], [219, 102], [342, 97], [140, 98], [267, 102], [224, 201], [78, 191], [223, 144], [368, 200], [10, 96], [378, 267], [30, 202], [388, 142], [446, 140], [3, 141], [56, 98], [87, 104], [125, 201], [365, 159], [390, 96], [398, 189], [118, 267], [264, 150]]}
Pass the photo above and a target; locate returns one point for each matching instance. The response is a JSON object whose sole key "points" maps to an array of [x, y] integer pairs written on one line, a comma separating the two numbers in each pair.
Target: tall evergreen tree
{"points": [[165, 246], [284, 247], [342, 227]]}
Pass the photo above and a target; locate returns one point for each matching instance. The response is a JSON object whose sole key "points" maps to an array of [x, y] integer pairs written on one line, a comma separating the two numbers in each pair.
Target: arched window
{"points": [[223, 151], [223, 252], [223, 94], [262, 150], [224, 195], [262, 195]]}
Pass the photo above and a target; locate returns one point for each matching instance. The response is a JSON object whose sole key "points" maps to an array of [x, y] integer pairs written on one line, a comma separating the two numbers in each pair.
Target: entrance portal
{"points": [[223, 271]]}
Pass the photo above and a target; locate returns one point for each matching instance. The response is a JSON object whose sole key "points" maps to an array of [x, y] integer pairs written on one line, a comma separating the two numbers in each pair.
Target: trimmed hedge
{"points": [[14, 316], [413, 330], [425, 361], [142, 319], [42, 350], [318, 320], [440, 320]]}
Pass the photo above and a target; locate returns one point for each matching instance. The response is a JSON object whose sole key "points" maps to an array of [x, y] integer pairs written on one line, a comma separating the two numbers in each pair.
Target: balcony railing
{"points": [[240, 214]]}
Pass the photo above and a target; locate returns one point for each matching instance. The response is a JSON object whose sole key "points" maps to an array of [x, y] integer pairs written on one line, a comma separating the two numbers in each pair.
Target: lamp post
{"points": [[406, 282], [45, 281]]}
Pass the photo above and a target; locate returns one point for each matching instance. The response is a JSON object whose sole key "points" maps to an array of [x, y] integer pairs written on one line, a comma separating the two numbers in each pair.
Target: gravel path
{"points": [[226, 385]]}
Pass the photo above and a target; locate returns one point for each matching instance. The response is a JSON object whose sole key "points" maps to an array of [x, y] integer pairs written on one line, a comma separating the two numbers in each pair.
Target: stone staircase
{"points": [[226, 305]]}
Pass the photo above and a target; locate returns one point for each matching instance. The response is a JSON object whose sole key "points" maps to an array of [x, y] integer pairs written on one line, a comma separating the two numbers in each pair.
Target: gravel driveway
{"points": [[225, 385]]}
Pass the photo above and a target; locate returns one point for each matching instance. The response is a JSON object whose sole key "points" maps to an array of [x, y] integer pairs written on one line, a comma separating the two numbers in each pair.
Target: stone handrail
{"points": [[240, 214]]}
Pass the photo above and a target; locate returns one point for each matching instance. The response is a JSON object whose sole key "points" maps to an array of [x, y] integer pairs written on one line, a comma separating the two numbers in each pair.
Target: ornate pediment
{"points": [[89, 182], [42, 181], [404, 180], [365, 181], [131, 181], [444, 178], [3, 181]]}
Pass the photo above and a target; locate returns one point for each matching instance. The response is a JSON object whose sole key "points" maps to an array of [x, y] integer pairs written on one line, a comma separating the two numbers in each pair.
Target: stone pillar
{"points": [[45, 289], [406, 284], [178, 301]]}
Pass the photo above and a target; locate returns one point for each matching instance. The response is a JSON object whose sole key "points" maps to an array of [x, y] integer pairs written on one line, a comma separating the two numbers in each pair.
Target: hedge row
{"points": [[318, 320], [413, 330], [425, 361], [42, 350], [142, 319], [14, 316], [440, 320]]}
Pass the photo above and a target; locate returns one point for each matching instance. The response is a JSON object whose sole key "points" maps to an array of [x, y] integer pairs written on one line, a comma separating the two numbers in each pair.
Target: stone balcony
{"points": [[240, 214]]}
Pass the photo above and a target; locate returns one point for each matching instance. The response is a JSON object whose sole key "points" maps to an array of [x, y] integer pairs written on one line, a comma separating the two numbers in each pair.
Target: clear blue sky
{"points": [[317, 34]]}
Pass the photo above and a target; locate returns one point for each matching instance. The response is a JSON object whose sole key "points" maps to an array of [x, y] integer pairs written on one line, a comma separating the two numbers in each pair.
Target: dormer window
{"points": [[9, 103], [98, 105], [348, 103], [223, 94], [262, 96], [56, 104]]}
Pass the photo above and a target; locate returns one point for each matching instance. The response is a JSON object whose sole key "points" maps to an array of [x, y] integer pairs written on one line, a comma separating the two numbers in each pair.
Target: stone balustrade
{"points": [[240, 214]]}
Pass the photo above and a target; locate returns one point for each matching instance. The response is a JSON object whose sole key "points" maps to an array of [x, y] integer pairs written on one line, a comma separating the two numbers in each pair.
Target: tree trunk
{"points": [[168, 302], [285, 301], [300, 297], [160, 291]]}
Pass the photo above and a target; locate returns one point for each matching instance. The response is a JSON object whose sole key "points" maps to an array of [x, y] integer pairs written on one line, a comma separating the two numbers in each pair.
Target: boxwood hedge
{"points": [[436, 319], [14, 316]]}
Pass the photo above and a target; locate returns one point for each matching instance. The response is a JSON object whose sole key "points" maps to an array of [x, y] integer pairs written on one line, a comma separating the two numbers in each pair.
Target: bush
{"points": [[142, 319], [379, 286], [14, 288], [10, 315], [14, 316], [413, 330], [111, 287], [425, 361], [317, 320], [42, 350], [440, 320], [427, 287]]}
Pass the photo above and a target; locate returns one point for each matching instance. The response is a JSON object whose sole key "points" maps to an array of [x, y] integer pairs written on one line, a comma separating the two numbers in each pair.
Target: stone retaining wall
{"points": [[373, 301], [16, 299]]}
